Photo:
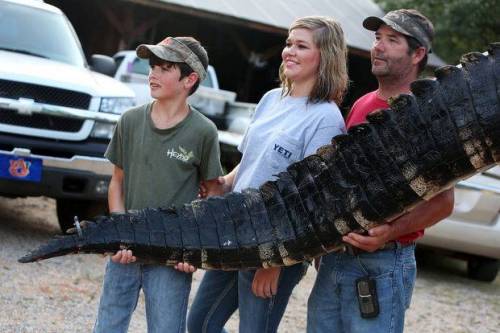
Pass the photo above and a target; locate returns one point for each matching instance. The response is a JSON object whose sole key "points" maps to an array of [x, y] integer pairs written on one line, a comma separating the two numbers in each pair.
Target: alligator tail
{"points": [[446, 131]]}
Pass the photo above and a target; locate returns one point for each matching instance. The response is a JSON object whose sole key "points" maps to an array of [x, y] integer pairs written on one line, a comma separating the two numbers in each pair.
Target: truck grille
{"points": [[45, 95], [40, 121]]}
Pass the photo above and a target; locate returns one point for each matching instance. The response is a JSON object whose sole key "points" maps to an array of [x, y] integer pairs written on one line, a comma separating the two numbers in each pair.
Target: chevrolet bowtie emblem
{"points": [[25, 106]]}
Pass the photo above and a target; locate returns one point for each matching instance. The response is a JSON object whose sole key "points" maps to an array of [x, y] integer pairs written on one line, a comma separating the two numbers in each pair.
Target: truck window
{"points": [[118, 62], [39, 33], [140, 66], [207, 82]]}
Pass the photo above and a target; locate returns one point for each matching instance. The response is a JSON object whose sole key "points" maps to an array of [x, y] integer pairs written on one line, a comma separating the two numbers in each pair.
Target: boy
{"points": [[160, 151]]}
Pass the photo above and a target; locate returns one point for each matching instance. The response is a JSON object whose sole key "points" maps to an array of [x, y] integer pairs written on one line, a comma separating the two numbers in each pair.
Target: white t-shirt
{"points": [[284, 131]]}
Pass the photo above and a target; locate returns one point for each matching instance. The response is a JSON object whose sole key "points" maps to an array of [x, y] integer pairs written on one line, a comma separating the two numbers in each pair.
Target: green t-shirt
{"points": [[163, 167]]}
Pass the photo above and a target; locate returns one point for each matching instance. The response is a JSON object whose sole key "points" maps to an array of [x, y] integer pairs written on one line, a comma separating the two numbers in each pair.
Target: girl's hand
{"points": [[265, 282]]}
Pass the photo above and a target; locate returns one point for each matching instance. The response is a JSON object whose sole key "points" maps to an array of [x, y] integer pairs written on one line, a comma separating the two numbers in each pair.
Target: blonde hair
{"points": [[332, 80]]}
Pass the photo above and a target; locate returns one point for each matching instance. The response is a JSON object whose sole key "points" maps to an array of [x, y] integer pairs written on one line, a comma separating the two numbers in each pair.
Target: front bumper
{"points": [[78, 177]]}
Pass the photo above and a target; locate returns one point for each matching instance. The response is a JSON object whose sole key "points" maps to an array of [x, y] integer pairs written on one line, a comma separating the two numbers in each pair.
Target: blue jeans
{"points": [[333, 304], [221, 293], [166, 294]]}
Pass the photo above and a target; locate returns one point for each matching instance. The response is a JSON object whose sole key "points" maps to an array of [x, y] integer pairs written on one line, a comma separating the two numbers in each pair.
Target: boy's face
{"points": [[164, 80]]}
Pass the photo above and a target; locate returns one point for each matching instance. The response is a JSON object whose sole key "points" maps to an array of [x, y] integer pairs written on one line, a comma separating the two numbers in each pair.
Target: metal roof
{"points": [[279, 14]]}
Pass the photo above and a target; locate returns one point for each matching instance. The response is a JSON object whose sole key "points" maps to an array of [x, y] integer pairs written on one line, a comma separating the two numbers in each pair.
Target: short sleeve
{"points": [[329, 124], [114, 152], [243, 143], [321, 137], [269, 97], [210, 166]]}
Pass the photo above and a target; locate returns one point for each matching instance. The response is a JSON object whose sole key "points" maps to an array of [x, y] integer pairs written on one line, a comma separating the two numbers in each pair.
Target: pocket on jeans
{"points": [[409, 276], [380, 264]]}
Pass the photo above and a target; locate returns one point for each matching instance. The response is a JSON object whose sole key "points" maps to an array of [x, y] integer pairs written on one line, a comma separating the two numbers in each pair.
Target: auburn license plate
{"points": [[20, 168]]}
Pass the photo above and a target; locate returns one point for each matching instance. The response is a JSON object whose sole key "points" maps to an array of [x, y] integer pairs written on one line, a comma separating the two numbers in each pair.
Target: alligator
{"points": [[447, 130]]}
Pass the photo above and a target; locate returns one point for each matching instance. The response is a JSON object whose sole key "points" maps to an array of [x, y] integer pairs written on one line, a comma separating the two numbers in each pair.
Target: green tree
{"points": [[461, 26]]}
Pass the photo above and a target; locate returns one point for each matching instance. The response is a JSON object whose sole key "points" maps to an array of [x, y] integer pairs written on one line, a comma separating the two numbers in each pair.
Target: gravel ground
{"points": [[61, 294]]}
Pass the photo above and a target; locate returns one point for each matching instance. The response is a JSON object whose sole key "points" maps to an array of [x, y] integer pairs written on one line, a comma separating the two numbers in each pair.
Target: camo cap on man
{"points": [[409, 22], [174, 50]]}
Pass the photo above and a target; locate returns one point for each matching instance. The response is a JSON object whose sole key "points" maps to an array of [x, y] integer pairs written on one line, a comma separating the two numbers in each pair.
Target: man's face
{"points": [[389, 54]]}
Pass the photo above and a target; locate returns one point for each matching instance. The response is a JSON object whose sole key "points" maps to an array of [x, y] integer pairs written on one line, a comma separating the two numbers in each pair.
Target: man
{"points": [[368, 287]]}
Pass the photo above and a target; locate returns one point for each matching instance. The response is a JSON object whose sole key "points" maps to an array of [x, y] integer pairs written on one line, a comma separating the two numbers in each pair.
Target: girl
{"points": [[289, 124]]}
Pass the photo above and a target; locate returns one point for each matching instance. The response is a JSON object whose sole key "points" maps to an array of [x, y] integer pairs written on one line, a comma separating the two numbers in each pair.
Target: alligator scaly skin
{"points": [[448, 130]]}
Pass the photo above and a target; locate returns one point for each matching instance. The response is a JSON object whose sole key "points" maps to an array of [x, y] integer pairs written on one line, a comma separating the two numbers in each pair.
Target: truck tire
{"points": [[482, 269], [67, 209]]}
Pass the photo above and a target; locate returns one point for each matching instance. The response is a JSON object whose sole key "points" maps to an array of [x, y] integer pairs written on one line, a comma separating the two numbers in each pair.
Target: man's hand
{"points": [[185, 267], [123, 257], [265, 282], [375, 239], [424, 215]]}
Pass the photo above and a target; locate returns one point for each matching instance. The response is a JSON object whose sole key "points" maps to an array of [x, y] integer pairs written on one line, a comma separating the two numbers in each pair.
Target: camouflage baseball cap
{"points": [[409, 22], [174, 50]]}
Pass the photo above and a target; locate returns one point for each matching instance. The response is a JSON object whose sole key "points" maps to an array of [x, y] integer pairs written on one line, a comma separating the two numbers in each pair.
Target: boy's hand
{"points": [[265, 282], [215, 186], [123, 257], [185, 267]]}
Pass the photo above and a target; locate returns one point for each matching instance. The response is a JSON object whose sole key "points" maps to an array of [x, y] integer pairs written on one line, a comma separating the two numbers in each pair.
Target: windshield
{"points": [[207, 82], [141, 66], [37, 32]]}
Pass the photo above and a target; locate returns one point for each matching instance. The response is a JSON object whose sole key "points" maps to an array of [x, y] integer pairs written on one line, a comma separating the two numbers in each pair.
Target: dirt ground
{"points": [[61, 294]]}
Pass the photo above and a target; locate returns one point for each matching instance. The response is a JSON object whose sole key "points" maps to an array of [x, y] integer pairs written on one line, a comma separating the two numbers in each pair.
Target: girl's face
{"points": [[300, 56]]}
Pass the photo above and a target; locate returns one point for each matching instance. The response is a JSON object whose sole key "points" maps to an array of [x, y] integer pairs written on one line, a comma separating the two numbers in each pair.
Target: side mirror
{"points": [[103, 64], [125, 78]]}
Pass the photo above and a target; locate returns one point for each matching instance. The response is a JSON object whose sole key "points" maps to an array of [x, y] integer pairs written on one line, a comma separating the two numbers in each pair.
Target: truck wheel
{"points": [[68, 208], [482, 269]]}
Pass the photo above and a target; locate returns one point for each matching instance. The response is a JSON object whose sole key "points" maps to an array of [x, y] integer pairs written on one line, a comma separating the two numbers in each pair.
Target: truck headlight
{"points": [[116, 105], [102, 130]]}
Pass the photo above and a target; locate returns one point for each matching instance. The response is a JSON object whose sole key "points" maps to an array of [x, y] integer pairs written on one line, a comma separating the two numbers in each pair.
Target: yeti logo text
{"points": [[183, 156], [282, 151]]}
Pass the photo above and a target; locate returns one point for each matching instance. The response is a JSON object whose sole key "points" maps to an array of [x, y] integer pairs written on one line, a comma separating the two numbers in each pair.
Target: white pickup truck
{"points": [[231, 117], [56, 113], [472, 232]]}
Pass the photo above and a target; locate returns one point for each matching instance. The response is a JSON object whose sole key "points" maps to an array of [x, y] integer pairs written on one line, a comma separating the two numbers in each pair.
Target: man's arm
{"points": [[422, 216]]}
